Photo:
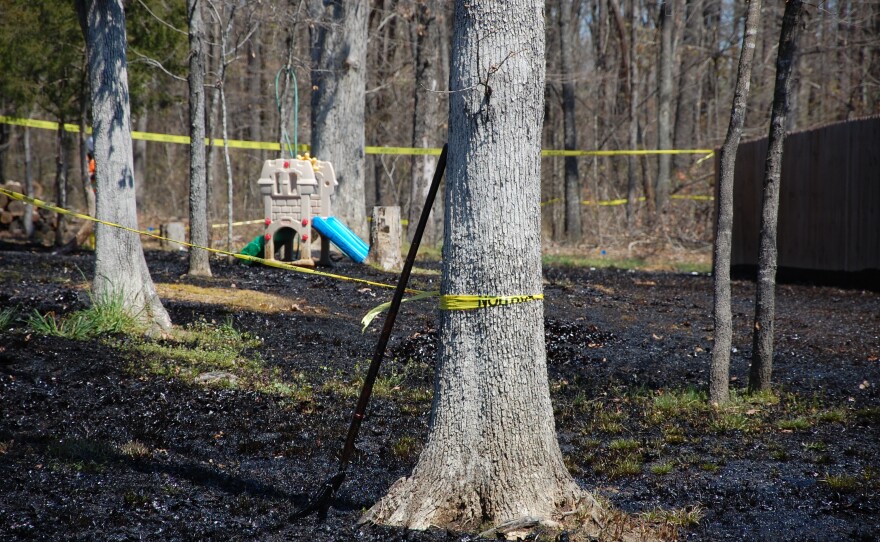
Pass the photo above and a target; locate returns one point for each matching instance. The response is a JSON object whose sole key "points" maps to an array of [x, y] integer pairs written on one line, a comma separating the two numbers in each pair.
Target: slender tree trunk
{"points": [[664, 105], [426, 110], [765, 300], [61, 169], [632, 161], [121, 272], [339, 58], [686, 114], [199, 229], [719, 375], [140, 159], [28, 183], [492, 453], [566, 21]]}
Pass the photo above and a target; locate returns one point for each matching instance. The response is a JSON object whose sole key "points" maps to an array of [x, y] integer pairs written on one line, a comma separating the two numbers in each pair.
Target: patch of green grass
{"points": [[674, 435], [604, 420], [623, 445], [779, 453], [221, 352], [105, 316], [833, 415], [7, 316], [726, 421], [692, 267], [630, 465], [869, 415], [405, 447], [843, 483], [662, 469], [680, 402], [799, 423], [708, 466], [817, 446]]}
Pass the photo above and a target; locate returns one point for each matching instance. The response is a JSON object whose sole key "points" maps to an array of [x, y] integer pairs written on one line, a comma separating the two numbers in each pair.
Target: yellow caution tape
{"points": [[241, 223], [405, 151], [467, 302]]}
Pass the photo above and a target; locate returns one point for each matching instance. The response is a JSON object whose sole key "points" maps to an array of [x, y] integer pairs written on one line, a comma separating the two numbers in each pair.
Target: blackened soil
{"points": [[231, 464]]}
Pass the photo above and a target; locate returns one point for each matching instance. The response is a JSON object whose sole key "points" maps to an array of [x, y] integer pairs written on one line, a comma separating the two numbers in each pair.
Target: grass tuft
{"points": [[7, 316]]}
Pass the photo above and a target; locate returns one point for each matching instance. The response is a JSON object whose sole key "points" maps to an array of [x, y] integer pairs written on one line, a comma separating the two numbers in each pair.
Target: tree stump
{"points": [[385, 233], [173, 231]]}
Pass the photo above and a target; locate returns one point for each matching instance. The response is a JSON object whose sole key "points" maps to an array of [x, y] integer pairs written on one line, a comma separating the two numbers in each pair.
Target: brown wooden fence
{"points": [[829, 201]]}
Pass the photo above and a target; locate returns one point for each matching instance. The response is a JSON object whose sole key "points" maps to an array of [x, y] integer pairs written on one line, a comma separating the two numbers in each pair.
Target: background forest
{"points": [[621, 75]]}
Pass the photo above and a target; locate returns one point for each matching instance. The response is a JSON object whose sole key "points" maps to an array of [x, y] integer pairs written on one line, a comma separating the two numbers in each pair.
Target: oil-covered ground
{"points": [[220, 431]]}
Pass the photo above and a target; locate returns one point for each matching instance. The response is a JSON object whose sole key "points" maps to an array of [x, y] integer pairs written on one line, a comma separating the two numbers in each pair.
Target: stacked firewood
{"points": [[12, 213]]}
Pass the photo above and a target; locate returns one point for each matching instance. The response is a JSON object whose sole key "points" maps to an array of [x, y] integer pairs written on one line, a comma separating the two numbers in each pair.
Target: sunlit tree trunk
{"points": [[339, 64], [492, 453], [719, 375], [765, 299], [121, 272]]}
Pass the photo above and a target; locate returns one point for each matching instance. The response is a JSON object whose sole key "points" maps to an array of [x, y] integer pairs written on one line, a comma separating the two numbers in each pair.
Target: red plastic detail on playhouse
{"points": [[305, 237], [305, 222], [286, 165], [268, 221], [267, 236]]}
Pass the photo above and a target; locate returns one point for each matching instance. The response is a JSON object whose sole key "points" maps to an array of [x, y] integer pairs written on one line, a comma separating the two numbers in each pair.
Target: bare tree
{"points": [[426, 108], [765, 299], [719, 375], [339, 64], [664, 105], [121, 272], [199, 229], [566, 22], [492, 422]]}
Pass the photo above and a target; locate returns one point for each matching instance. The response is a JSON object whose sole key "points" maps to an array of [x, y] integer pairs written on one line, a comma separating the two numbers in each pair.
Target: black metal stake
{"points": [[321, 501]]}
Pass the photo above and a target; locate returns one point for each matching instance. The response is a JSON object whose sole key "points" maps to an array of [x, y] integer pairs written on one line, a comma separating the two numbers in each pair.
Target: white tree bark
{"points": [[120, 268], [492, 453]]}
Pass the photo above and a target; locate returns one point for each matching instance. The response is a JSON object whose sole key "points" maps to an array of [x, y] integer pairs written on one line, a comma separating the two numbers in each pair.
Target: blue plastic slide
{"points": [[339, 234]]}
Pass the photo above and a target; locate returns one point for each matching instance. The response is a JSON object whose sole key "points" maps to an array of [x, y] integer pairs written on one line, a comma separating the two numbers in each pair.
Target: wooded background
{"points": [[604, 60]]}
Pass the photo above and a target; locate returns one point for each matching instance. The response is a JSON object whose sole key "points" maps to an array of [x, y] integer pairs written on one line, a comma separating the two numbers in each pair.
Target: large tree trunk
{"points": [[426, 110], [492, 453], [199, 230], [573, 230], [121, 272], [664, 105], [719, 375], [339, 64], [765, 299]]}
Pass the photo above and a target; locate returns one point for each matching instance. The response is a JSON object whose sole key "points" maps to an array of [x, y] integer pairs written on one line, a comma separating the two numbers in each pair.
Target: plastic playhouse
{"points": [[296, 198]]}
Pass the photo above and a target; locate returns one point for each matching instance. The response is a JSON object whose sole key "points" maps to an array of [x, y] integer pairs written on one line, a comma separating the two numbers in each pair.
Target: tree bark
{"points": [[719, 374], [28, 183], [566, 19], [765, 299], [492, 453], [199, 229], [632, 161], [664, 106], [426, 111], [121, 273], [61, 169], [339, 63], [689, 81]]}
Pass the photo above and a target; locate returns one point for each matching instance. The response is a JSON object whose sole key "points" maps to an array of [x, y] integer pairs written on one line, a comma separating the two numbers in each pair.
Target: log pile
{"points": [[12, 214]]}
